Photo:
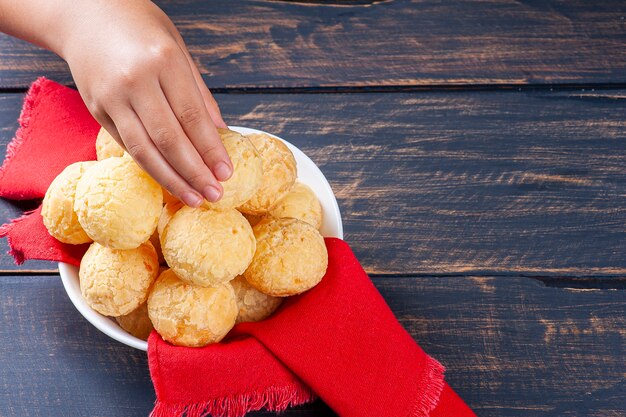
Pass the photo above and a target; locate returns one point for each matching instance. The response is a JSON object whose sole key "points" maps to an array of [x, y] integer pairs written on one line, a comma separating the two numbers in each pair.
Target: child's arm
{"points": [[138, 80]]}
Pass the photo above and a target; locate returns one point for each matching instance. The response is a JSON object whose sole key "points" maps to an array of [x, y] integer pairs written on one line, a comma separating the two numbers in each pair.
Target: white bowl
{"points": [[308, 173]]}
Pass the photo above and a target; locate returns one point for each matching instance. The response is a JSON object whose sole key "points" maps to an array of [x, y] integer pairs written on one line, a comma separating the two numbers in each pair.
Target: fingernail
{"points": [[223, 171], [192, 199], [212, 193]]}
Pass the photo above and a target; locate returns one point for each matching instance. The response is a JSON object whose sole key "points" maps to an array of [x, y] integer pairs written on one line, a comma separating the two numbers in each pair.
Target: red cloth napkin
{"points": [[56, 130], [339, 341]]}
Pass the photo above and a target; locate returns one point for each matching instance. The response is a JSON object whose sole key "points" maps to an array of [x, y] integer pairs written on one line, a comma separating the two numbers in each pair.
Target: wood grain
{"points": [[491, 182], [269, 44], [511, 347]]}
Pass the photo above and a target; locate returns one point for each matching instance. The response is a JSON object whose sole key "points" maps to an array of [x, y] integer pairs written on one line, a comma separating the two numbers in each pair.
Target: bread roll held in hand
{"points": [[290, 257], [253, 305], [106, 146], [207, 247], [300, 203], [137, 322], [189, 315], [247, 171], [279, 173], [117, 203], [57, 209], [115, 282]]}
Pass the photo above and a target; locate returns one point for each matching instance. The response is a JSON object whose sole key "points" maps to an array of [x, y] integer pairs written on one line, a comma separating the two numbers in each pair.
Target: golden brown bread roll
{"points": [[137, 322], [189, 315], [247, 171], [207, 247], [300, 203], [253, 304], [57, 208], [279, 174], [117, 203], [115, 282], [106, 146], [290, 257]]}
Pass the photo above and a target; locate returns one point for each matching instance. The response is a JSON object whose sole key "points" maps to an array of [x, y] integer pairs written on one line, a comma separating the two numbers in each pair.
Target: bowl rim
{"points": [[103, 323]]}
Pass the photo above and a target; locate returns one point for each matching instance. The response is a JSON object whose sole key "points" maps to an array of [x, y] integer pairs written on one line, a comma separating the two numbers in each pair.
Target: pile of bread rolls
{"points": [[189, 273]]}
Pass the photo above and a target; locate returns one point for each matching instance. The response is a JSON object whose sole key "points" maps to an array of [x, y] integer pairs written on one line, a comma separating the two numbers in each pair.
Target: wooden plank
{"points": [[240, 44], [511, 347], [489, 182]]}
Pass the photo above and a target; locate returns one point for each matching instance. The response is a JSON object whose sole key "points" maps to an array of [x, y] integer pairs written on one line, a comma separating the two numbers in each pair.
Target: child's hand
{"points": [[137, 78]]}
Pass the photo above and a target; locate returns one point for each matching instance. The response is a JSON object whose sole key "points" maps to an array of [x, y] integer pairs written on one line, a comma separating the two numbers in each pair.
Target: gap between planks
{"points": [[608, 282], [338, 89]]}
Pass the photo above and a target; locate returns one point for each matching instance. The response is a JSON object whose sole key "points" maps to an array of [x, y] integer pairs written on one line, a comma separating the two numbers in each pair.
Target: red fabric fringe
{"points": [[430, 393], [272, 398], [5, 229]]}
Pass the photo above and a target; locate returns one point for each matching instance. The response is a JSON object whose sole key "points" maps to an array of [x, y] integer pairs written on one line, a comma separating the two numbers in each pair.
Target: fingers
{"points": [[207, 97], [187, 104], [166, 123], [172, 142], [145, 153]]}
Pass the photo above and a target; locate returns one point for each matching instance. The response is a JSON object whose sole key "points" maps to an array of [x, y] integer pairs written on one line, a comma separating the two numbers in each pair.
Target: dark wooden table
{"points": [[478, 153]]}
